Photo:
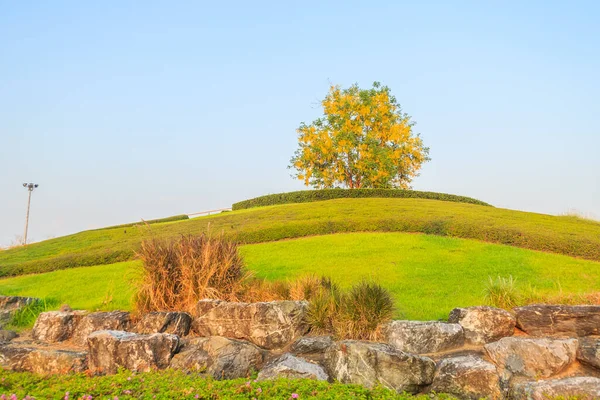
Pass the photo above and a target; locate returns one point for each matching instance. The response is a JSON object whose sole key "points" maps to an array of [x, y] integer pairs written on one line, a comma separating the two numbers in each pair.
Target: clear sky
{"points": [[129, 110]]}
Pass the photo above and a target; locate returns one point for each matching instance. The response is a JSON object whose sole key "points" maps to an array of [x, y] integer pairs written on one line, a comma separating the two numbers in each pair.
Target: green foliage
{"points": [[502, 292], [306, 196], [173, 385], [148, 222], [577, 238], [26, 316]]}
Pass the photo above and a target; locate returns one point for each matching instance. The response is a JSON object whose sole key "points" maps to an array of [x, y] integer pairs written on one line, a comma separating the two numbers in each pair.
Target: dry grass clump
{"points": [[177, 273]]}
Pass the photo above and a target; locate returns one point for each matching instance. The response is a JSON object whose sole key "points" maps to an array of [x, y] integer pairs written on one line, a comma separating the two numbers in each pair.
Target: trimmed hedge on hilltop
{"points": [[150, 221], [306, 196]]}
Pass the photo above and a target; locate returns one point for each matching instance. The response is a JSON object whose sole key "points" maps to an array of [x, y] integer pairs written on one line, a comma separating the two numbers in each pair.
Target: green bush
{"points": [[25, 317], [150, 221], [307, 196]]}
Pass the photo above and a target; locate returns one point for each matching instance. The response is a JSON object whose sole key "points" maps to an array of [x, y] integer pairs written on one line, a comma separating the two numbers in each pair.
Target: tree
{"points": [[363, 140]]}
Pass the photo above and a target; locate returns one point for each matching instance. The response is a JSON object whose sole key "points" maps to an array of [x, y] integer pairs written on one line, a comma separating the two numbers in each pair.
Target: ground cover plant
{"points": [[562, 235], [426, 275], [172, 385]]}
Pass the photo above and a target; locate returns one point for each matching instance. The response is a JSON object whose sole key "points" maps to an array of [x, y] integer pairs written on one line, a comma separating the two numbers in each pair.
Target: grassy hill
{"points": [[561, 235], [427, 275]]}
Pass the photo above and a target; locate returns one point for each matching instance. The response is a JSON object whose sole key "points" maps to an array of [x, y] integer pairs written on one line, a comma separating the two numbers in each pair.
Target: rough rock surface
{"points": [[56, 326], [561, 320], [531, 357], [100, 321], [467, 377], [220, 357], [424, 337], [589, 351], [7, 336], [109, 350], [291, 367], [176, 323], [42, 361], [369, 364], [271, 325], [483, 324], [582, 388], [311, 344]]}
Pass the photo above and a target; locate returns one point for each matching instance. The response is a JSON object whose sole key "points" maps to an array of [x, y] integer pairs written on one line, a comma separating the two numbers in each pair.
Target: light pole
{"points": [[30, 187]]}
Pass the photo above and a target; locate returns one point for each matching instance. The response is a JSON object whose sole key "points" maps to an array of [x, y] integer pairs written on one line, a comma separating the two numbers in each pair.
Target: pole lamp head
{"points": [[36, 185], [24, 185]]}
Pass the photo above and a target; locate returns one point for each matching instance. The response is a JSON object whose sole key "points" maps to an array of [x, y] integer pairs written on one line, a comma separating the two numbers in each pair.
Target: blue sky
{"points": [[129, 110]]}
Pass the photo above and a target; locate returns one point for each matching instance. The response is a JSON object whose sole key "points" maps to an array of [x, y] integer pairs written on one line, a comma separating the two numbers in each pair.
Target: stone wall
{"points": [[481, 352]]}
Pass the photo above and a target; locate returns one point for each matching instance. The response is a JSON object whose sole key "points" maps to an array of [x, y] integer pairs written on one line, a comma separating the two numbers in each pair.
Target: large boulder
{"points": [[424, 337], [483, 324], [220, 357], [589, 351], [560, 320], [580, 388], [41, 361], [271, 325], [176, 323], [291, 367], [56, 326], [311, 344], [100, 321], [531, 357], [467, 377], [370, 364], [109, 350]]}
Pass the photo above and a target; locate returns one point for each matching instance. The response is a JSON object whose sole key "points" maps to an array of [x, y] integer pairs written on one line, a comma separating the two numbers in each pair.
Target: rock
{"points": [[56, 326], [581, 388], [47, 362], [109, 350], [483, 324], [42, 361], [562, 320], [424, 337], [311, 344], [220, 357], [10, 304], [270, 325], [176, 323], [467, 377], [589, 351], [370, 364], [100, 321], [291, 367], [7, 336], [531, 357]]}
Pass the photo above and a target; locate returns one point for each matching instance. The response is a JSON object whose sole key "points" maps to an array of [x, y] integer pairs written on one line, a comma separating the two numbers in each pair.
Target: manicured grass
{"points": [[563, 235], [427, 275], [172, 385]]}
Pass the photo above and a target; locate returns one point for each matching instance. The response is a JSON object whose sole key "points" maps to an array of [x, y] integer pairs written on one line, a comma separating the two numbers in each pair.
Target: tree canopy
{"points": [[363, 140]]}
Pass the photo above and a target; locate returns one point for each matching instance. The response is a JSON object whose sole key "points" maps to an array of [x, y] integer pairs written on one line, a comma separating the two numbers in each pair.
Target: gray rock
{"points": [[14, 358], [424, 337], [10, 304], [581, 388], [370, 364], [220, 357], [56, 326], [589, 351], [560, 320], [291, 367], [41, 361], [109, 350], [467, 377], [176, 323], [271, 325], [531, 357], [483, 324], [7, 336], [100, 321], [311, 344]]}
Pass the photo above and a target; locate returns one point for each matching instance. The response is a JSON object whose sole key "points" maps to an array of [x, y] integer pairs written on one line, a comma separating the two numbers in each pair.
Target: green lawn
{"points": [[562, 235], [428, 275]]}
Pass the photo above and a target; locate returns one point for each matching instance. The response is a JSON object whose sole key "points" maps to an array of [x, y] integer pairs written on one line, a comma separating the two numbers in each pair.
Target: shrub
{"points": [[305, 196], [501, 292], [177, 273], [150, 221]]}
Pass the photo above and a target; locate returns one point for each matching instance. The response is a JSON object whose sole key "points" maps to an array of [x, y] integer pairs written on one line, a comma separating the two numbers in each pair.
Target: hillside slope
{"points": [[562, 235]]}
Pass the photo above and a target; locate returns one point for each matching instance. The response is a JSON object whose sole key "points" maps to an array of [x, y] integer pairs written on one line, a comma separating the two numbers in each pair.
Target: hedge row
{"points": [[150, 221], [306, 196]]}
